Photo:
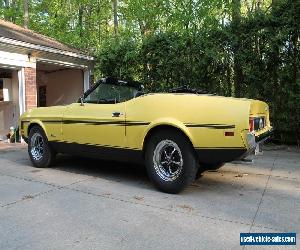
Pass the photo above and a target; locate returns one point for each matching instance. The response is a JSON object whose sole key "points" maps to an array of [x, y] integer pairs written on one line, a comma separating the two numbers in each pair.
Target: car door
{"points": [[99, 121], [95, 124]]}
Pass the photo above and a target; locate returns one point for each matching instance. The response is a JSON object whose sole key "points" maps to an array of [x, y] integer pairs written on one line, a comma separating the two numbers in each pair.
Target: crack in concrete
{"points": [[56, 187], [165, 209], [262, 196], [32, 197], [263, 193], [259, 174]]}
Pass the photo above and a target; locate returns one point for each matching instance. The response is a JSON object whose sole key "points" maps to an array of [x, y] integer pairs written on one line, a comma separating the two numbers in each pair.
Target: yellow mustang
{"points": [[177, 134]]}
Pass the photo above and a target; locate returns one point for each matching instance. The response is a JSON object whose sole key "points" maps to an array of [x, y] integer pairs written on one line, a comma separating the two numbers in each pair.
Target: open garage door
{"points": [[9, 101], [58, 85]]}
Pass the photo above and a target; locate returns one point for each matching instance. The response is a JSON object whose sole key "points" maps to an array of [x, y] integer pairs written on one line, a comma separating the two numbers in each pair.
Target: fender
{"points": [[38, 122], [168, 122]]}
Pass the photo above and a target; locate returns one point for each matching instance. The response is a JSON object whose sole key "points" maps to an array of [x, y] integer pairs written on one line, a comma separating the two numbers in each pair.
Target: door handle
{"points": [[116, 114]]}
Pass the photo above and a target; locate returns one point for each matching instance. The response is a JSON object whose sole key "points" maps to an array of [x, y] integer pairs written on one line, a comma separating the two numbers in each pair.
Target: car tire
{"points": [[39, 150], [199, 173], [170, 161]]}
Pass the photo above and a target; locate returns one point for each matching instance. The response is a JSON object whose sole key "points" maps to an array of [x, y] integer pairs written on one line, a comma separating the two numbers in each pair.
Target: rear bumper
{"points": [[263, 137], [254, 140]]}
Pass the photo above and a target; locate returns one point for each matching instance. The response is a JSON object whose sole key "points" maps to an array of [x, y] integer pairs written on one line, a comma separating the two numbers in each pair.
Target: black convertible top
{"points": [[140, 87], [187, 89], [116, 81]]}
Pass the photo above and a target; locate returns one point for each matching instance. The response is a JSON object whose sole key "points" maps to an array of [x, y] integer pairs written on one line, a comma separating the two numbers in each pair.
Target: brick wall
{"points": [[30, 88]]}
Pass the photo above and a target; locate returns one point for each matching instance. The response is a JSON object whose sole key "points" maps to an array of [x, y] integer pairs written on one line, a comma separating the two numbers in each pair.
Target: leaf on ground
{"points": [[238, 175], [185, 207], [26, 197], [139, 198]]}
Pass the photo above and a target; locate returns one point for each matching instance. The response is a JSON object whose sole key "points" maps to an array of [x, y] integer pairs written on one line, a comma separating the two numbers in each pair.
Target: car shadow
{"points": [[110, 170], [136, 175]]}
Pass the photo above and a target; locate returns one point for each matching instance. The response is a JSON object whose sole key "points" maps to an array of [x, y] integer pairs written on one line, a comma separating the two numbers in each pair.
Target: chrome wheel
{"points": [[167, 159], [37, 146]]}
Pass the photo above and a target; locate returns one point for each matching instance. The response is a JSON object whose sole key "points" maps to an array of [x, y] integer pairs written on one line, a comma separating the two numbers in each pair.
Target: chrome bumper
{"points": [[254, 141], [263, 137]]}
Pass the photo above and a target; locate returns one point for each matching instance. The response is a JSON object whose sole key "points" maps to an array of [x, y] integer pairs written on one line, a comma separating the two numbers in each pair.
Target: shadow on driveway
{"points": [[116, 171]]}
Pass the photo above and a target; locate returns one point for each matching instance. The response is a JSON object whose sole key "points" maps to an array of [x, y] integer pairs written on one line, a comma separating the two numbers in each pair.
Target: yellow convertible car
{"points": [[177, 134]]}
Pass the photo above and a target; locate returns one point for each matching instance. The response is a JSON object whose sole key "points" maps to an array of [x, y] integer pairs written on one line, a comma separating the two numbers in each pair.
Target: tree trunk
{"points": [[115, 11], [237, 67], [80, 17], [259, 4], [6, 3], [295, 80], [26, 14], [14, 6]]}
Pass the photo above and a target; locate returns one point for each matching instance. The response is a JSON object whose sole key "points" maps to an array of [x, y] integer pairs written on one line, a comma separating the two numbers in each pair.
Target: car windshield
{"points": [[110, 93]]}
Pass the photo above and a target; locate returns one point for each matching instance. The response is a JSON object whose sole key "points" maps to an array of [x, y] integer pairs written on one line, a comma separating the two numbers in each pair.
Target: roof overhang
{"points": [[36, 47]]}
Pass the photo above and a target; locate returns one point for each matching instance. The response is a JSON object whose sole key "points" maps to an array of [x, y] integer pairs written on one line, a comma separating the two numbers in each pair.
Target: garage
{"points": [[37, 71]]}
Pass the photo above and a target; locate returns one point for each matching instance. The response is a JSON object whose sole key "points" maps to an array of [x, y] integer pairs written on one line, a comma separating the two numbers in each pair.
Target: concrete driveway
{"points": [[90, 204]]}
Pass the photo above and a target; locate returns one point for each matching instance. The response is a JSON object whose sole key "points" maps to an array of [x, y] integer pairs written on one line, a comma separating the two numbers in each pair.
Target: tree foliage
{"points": [[243, 48]]}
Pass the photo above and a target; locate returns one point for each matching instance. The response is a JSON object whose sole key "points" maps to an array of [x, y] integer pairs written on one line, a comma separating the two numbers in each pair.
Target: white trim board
{"points": [[44, 48], [15, 60]]}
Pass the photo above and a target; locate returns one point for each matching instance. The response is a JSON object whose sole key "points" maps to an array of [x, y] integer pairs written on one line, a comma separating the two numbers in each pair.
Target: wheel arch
{"points": [[166, 125], [36, 123]]}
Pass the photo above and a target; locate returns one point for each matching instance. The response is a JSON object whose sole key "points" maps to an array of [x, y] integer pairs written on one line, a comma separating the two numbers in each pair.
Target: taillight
{"points": [[256, 123], [251, 124]]}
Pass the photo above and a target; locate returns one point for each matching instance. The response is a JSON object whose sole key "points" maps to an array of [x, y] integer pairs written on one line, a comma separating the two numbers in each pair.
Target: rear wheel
{"points": [[170, 161], [40, 152]]}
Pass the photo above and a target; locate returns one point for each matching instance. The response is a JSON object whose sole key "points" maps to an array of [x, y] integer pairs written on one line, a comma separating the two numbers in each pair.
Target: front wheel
{"points": [[170, 161], [39, 150]]}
